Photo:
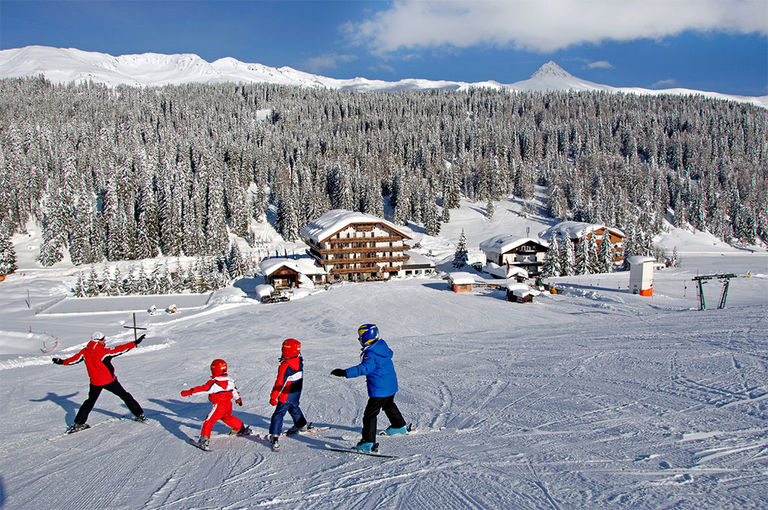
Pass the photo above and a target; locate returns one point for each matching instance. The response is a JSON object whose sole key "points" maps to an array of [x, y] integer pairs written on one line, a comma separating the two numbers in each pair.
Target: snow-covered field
{"points": [[592, 398]]}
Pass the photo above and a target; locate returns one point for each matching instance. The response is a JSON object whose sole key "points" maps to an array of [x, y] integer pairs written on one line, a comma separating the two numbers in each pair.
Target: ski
{"points": [[67, 433], [198, 445], [311, 429], [360, 452]]}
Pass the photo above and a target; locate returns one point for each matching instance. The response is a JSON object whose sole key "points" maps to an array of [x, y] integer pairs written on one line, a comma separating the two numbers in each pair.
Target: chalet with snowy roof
{"points": [[284, 273], [578, 231], [417, 265], [508, 250], [356, 246]]}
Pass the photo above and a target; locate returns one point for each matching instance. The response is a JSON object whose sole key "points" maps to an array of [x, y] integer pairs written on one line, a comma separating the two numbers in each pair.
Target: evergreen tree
{"points": [[606, 254], [566, 257], [7, 254], [461, 256], [551, 266]]}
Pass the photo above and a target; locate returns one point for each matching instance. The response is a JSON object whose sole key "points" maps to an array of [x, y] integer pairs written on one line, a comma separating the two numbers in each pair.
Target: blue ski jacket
{"points": [[377, 367]]}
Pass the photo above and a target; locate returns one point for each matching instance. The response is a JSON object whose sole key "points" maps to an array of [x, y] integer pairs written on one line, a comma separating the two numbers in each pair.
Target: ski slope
{"points": [[590, 398]]}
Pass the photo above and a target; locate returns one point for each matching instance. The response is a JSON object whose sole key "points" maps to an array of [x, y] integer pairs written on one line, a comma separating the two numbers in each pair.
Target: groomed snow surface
{"points": [[589, 398]]}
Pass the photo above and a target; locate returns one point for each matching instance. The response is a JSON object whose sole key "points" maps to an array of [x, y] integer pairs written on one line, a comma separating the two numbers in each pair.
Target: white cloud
{"points": [[549, 25], [327, 61], [600, 64], [664, 84]]}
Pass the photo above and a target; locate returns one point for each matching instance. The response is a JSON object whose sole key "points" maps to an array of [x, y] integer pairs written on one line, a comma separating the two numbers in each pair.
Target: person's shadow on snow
{"points": [[66, 402], [193, 414]]}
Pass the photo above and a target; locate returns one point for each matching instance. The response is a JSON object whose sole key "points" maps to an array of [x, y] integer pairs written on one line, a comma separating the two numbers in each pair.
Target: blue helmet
{"points": [[367, 334]]}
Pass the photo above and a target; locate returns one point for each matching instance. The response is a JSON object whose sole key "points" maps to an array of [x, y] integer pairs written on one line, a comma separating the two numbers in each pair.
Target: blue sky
{"points": [[713, 45]]}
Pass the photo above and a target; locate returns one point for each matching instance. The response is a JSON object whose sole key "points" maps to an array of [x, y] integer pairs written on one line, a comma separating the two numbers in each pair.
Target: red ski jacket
{"points": [[289, 382], [219, 389], [98, 360]]}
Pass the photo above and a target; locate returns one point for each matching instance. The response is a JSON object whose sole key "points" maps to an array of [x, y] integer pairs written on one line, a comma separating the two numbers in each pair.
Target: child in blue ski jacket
{"points": [[377, 367]]}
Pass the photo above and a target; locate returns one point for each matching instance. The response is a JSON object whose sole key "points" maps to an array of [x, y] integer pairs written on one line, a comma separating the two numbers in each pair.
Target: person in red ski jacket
{"points": [[286, 392], [98, 363], [221, 390]]}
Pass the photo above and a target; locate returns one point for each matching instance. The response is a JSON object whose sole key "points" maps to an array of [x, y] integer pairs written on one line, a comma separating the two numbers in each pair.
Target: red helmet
{"points": [[291, 348], [218, 367]]}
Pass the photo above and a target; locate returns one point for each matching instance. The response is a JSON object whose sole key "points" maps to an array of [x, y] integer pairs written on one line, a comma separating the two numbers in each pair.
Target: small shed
{"points": [[461, 282], [521, 293], [641, 275]]}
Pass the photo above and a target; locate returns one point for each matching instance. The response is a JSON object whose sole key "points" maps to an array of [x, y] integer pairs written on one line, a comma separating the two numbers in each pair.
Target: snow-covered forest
{"points": [[131, 173]]}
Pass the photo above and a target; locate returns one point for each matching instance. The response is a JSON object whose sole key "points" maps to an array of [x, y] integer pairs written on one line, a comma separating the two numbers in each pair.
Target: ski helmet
{"points": [[97, 336], [291, 348], [367, 334], [218, 367]]}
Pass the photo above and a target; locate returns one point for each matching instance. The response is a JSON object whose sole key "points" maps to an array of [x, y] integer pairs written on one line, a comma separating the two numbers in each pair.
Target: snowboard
{"points": [[360, 452]]}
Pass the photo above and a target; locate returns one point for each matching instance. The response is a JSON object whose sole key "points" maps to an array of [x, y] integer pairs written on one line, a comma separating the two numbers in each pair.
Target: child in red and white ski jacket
{"points": [[221, 390], [286, 391]]}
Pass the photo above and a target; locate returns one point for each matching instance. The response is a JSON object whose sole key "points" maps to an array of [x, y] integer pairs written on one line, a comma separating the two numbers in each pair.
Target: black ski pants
{"points": [[376, 404], [93, 396]]}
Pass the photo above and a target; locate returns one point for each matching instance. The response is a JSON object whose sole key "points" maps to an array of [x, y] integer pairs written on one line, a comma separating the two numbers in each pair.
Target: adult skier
{"points": [[377, 367], [286, 392], [221, 390], [98, 362]]}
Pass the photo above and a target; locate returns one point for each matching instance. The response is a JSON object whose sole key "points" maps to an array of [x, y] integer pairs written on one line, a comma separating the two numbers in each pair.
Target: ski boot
{"points": [[244, 430], [77, 427], [297, 430], [140, 418], [392, 431], [273, 440], [204, 442], [365, 446]]}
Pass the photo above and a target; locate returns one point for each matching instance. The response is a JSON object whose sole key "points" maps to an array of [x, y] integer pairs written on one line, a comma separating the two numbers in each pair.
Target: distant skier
{"points": [[221, 390], [98, 362], [286, 392], [377, 367]]}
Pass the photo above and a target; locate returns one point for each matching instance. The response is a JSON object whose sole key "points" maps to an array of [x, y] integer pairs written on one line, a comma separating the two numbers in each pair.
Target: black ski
{"points": [[360, 452]]}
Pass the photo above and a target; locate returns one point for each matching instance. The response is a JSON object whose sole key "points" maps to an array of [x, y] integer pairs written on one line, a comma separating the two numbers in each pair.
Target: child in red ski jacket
{"points": [[221, 390], [98, 363], [287, 391]]}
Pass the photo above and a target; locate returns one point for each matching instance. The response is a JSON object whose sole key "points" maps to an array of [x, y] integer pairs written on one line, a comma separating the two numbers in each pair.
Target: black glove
{"points": [[138, 340], [339, 372], [57, 361], [239, 401]]}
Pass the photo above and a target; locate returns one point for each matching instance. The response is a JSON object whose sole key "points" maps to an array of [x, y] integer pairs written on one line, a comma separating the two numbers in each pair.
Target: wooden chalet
{"points": [[522, 252], [284, 273], [356, 246], [578, 231]]}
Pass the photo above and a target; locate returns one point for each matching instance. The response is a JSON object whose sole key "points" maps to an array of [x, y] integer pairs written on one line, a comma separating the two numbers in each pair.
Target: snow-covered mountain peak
{"points": [[70, 65], [551, 70]]}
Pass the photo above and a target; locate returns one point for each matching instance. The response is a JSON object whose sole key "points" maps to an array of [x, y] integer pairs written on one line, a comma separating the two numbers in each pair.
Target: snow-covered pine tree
{"points": [[490, 209], [581, 265], [7, 254], [236, 264], [551, 266], [461, 256], [605, 254], [566, 257]]}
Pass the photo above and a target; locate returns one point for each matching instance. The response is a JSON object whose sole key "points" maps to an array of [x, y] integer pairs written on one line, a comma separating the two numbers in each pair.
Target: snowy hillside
{"points": [[68, 65], [589, 398]]}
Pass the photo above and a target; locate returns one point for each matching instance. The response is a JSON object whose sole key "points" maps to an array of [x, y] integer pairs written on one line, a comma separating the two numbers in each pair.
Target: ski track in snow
{"points": [[558, 404]]}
